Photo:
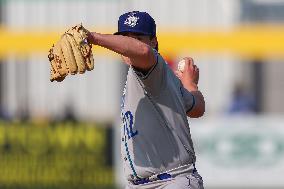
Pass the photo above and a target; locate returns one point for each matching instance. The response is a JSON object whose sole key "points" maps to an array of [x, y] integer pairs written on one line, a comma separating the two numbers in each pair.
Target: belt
{"points": [[162, 176]]}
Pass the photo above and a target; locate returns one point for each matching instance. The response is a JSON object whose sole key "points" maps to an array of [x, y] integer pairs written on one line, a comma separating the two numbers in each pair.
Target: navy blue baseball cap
{"points": [[136, 22]]}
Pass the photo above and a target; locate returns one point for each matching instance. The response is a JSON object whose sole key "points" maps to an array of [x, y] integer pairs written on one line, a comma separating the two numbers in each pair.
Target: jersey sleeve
{"points": [[153, 80], [188, 99]]}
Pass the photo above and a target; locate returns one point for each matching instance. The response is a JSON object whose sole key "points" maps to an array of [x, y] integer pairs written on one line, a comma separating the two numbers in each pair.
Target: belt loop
{"points": [[194, 168]]}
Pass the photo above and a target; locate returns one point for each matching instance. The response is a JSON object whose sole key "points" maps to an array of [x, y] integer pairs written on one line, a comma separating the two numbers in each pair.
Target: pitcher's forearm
{"points": [[139, 52], [199, 107], [190, 86]]}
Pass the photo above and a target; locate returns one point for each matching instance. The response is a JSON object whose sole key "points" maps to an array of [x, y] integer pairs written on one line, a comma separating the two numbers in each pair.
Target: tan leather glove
{"points": [[71, 54]]}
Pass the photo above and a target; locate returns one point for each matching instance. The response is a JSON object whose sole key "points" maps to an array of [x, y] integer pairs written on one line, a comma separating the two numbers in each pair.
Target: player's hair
{"points": [[157, 47]]}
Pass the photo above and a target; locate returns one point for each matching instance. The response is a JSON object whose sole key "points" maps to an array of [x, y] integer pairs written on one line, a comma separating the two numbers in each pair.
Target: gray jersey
{"points": [[155, 131]]}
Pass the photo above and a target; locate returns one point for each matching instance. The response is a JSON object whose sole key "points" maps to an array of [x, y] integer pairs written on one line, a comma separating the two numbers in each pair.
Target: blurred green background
{"points": [[56, 155]]}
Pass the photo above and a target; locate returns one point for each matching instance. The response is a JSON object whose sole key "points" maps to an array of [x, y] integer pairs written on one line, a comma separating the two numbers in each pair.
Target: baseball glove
{"points": [[72, 54]]}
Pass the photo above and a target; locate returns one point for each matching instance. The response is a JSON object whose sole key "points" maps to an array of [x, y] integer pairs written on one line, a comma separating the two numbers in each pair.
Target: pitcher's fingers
{"points": [[189, 59], [189, 62]]}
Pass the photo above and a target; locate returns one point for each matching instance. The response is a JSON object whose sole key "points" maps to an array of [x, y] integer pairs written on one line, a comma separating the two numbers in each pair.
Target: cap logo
{"points": [[131, 20]]}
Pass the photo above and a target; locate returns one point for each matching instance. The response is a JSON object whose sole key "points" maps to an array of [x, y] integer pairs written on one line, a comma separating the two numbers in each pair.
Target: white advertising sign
{"points": [[240, 152]]}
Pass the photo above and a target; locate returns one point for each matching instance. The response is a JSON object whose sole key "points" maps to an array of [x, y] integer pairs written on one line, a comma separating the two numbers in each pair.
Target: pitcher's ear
{"points": [[154, 43]]}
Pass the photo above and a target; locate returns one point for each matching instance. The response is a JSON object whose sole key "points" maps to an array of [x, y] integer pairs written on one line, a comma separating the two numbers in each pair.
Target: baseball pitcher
{"points": [[156, 145]]}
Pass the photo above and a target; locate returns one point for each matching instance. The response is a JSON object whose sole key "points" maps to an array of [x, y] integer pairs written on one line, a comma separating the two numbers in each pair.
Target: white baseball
{"points": [[181, 65]]}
